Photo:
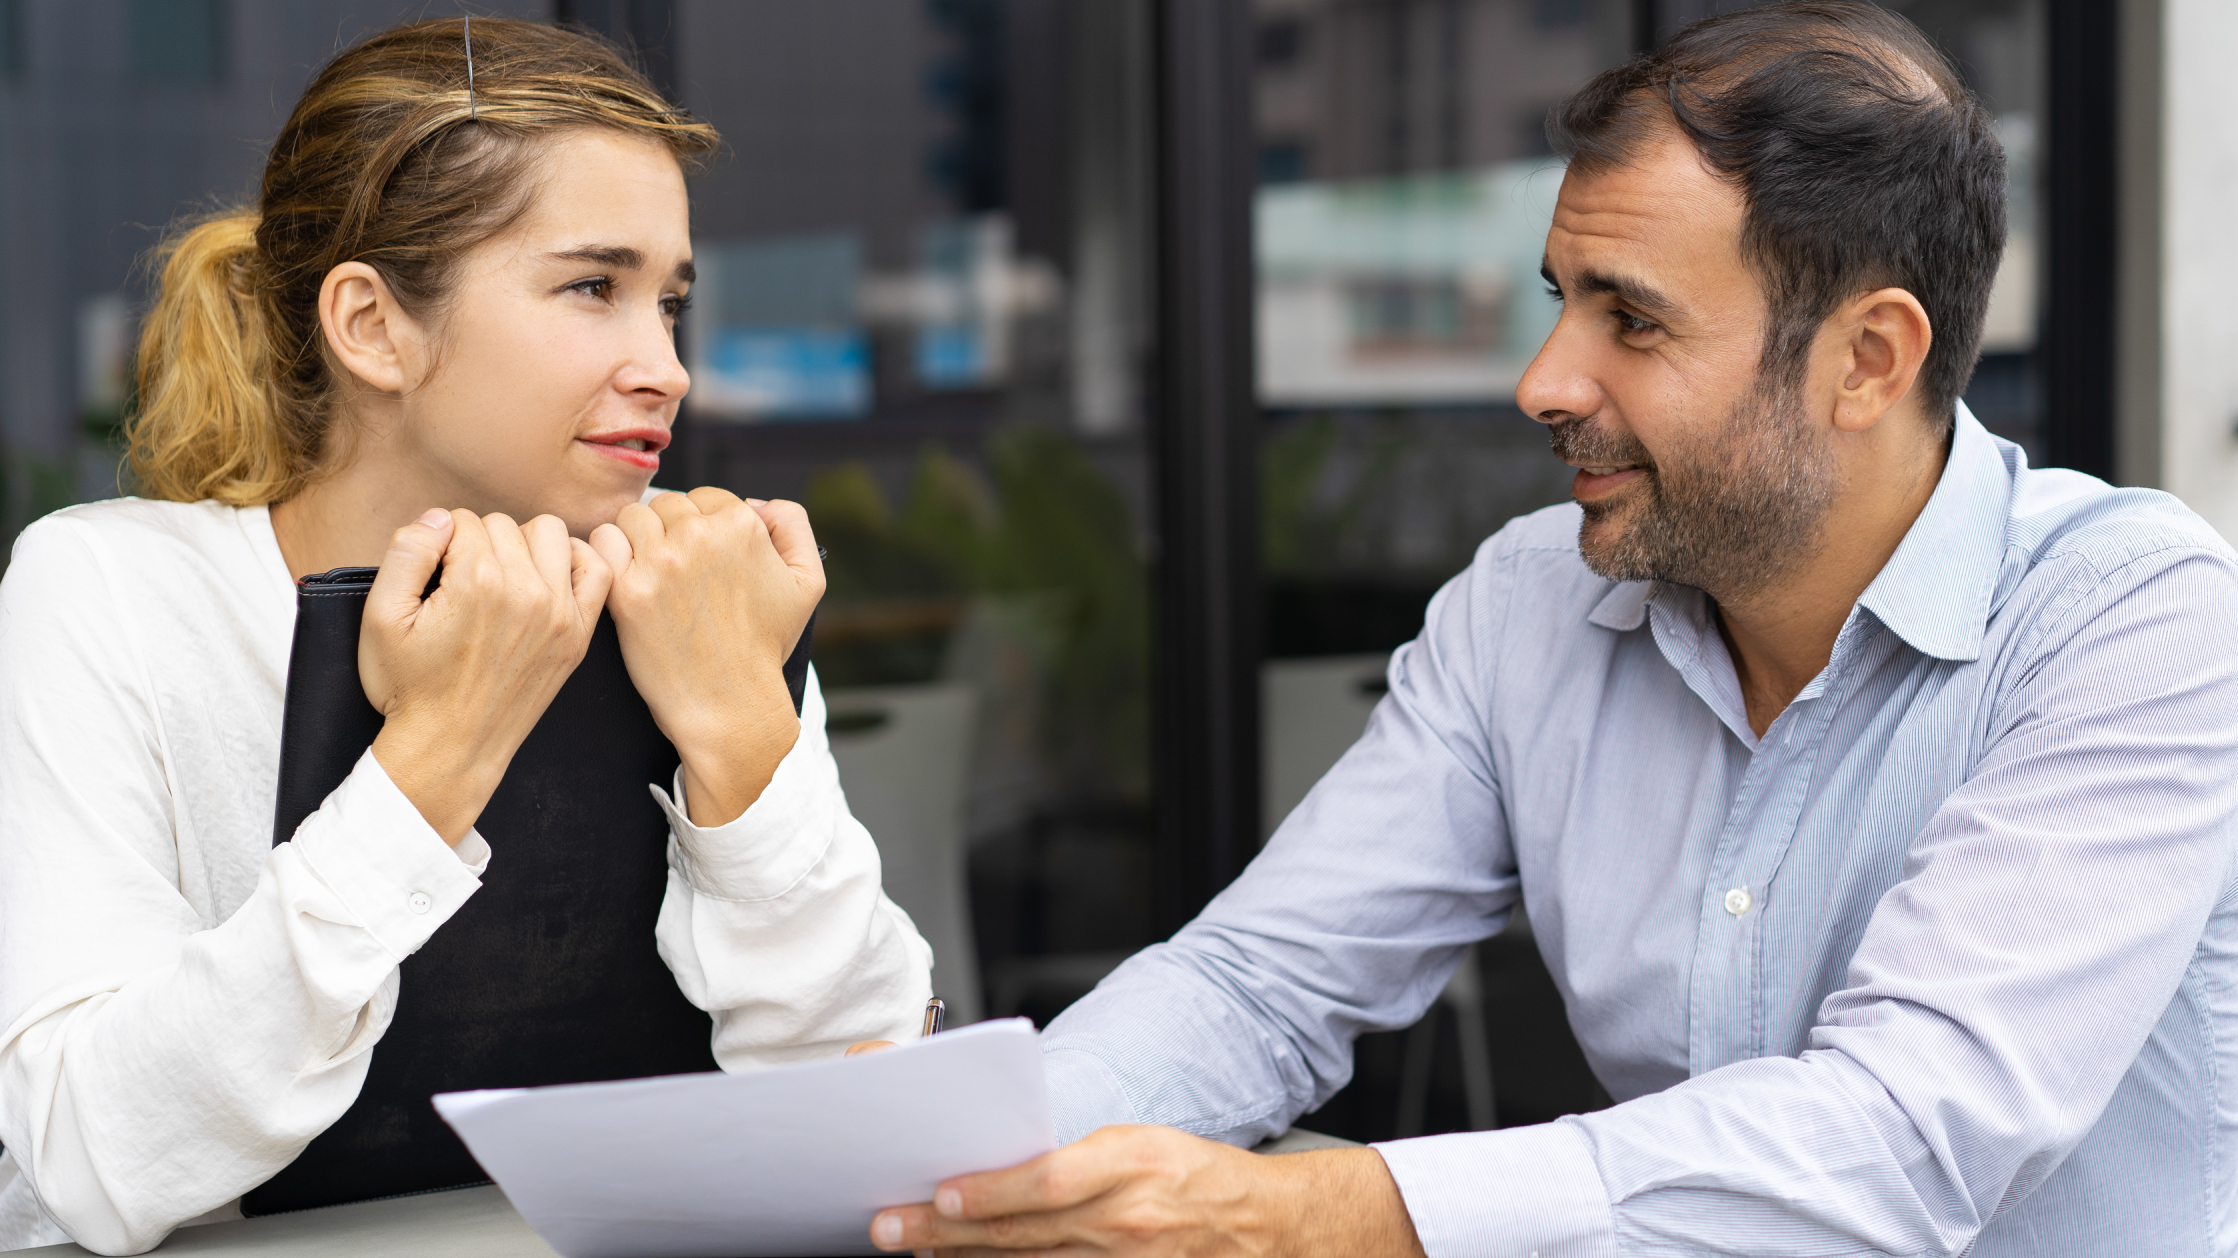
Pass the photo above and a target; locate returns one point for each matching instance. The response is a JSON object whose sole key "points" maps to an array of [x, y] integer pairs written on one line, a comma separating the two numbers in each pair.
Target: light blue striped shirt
{"points": [[1945, 959]]}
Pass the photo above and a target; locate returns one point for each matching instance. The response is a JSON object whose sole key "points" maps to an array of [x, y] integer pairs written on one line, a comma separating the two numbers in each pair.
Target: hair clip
{"points": [[473, 108]]}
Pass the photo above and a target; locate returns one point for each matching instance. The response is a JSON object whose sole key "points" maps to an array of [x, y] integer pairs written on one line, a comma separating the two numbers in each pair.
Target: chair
{"points": [[903, 754]]}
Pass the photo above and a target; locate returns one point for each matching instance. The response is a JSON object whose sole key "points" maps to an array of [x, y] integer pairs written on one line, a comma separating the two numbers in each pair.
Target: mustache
{"points": [[1581, 441]]}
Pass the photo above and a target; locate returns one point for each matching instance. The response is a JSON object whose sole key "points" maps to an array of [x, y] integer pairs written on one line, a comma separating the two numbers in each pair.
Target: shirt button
{"points": [[1737, 901], [421, 904]]}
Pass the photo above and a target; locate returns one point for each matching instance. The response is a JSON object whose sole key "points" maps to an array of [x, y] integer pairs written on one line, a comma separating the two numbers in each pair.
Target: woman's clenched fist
{"points": [[710, 595], [464, 674]]}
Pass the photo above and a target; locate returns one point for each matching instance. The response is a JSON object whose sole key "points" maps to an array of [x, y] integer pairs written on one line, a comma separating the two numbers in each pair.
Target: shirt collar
{"points": [[1624, 607], [1934, 592]]}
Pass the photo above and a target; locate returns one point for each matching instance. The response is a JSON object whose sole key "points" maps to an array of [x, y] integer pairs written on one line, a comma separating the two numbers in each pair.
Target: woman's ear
{"points": [[367, 332], [1887, 336]]}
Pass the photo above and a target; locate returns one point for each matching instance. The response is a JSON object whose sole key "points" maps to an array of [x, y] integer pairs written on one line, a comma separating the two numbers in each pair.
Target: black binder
{"points": [[549, 973]]}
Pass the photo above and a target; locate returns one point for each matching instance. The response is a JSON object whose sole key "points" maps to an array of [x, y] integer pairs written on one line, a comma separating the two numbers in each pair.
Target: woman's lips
{"points": [[638, 447], [1599, 483]]}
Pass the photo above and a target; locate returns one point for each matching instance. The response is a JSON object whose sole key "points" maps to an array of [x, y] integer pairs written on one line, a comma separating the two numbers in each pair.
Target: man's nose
{"points": [[1558, 384]]}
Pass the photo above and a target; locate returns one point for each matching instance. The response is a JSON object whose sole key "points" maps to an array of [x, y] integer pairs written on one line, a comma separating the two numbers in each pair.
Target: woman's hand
{"points": [[710, 594], [463, 675]]}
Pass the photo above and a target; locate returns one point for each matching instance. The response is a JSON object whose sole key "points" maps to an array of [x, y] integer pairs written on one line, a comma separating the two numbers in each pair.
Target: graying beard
{"points": [[1731, 530]]}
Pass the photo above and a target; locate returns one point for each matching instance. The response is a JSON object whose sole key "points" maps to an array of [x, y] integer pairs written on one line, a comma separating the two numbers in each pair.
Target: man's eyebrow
{"points": [[1642, 297]]}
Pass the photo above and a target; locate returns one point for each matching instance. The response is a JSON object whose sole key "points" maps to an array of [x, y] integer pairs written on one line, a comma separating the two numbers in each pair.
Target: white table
{"points": [[462, 1223]]}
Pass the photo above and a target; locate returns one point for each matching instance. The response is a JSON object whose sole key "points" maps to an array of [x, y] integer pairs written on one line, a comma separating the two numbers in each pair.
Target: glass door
{"points": [[923, 313], [1405, 187]]}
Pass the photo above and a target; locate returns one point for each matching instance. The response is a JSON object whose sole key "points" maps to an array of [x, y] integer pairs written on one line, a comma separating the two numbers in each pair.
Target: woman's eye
{"points": [[598, 286], [674, 306]]}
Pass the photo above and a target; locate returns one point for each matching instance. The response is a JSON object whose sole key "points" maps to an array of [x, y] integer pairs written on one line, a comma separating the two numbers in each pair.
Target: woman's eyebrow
{"points": [[620, 257]]}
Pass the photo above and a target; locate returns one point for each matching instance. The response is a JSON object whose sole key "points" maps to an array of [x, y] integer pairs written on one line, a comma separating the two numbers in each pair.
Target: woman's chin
{"points": [[583, 513]]}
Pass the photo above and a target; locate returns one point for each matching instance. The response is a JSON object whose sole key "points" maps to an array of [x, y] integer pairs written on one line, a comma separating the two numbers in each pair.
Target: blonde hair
{"points": [[387, 160]]}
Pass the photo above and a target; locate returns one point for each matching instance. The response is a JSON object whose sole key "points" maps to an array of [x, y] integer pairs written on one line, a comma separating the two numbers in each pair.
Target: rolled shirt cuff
{"points": [[766, 850], [473, 851], [1525, 1192], [391, 870], [1083, 1093]]}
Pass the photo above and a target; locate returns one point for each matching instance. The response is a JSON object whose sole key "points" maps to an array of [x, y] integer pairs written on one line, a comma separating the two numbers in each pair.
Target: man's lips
{"points": [[638, 447], [1601, 480]]}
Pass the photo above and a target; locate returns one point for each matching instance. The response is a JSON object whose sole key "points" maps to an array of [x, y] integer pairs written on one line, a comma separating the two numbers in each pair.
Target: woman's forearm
{"points": [[732, 760], [163, 1069], [776, 923]]}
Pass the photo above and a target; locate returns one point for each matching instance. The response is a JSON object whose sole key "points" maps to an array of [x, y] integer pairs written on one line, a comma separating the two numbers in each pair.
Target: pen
{"points": [[935, 1010]]}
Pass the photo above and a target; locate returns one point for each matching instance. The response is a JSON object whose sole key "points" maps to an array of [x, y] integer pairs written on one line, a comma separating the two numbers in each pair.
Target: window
{"points": [[1398, 303], [922, 313]]}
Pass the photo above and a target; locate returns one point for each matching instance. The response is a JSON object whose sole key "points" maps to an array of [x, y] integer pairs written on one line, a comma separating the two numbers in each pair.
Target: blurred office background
{"points": [[1146, 366]]}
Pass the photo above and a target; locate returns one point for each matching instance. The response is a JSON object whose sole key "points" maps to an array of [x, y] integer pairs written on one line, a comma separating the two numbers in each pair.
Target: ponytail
{"points": [[208, 424]]}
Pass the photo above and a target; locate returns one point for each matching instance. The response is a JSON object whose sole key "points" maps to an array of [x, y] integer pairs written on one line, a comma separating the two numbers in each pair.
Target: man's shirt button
{"points": [[421, 904], [1737, 901]]}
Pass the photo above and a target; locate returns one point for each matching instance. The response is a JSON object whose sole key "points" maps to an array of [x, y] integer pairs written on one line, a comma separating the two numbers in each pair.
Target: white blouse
{"points": [[183, 1005]]}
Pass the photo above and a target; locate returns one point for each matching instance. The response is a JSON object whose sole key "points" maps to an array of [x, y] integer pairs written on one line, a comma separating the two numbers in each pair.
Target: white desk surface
{"points": [[462, 1223]]}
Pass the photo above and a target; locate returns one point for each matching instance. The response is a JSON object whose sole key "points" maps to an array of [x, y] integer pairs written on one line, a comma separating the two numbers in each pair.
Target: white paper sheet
{"points": [[791, 1161]]}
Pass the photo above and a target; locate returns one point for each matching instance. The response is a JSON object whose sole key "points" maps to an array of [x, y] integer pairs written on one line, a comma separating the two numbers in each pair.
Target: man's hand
{"points": [[1157, 1191], [710, 595]]}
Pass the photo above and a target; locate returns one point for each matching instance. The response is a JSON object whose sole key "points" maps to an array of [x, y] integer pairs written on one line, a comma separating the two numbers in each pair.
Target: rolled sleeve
{"points": [[759, 854], [1083, 1094], [389, 868], [775, 924], [1527, 1192]]}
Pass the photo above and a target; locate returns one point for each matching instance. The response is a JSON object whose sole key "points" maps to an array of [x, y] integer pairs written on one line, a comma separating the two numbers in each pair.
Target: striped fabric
{"points": [[1945, 959]]}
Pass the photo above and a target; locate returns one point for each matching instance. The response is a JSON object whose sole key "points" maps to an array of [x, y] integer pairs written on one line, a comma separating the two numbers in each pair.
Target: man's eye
{"points": [[1632, 323], [1553, 293]]}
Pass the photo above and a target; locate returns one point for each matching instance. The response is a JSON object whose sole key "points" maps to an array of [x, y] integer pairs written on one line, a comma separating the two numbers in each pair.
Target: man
{"points": [[1871, 793]]}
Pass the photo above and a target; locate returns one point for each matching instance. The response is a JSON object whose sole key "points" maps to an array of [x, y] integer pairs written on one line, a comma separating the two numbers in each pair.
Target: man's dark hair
{"points": [[1863, 160]]}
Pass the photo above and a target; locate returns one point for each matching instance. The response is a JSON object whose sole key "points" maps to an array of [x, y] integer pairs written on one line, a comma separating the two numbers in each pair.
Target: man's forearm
{"points": [[1344, 1202]]}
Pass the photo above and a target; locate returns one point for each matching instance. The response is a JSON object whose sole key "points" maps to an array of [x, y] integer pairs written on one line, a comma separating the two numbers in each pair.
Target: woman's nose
{"points": [[656, 368]]}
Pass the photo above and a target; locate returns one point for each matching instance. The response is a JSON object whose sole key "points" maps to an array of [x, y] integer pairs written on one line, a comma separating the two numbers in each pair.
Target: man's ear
{"points": [[366, 330], [1882, 341]]}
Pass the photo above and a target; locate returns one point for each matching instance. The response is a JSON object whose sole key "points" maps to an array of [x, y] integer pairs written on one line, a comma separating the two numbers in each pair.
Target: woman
{"points": [[453, 310]]}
